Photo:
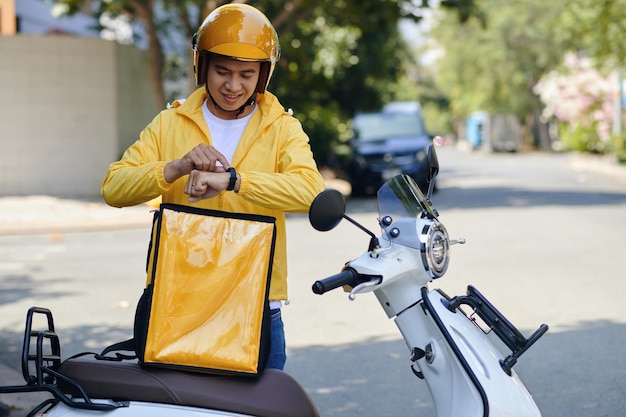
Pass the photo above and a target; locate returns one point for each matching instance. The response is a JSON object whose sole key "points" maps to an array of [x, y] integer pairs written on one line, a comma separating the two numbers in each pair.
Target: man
{"points": [[230, 145]]}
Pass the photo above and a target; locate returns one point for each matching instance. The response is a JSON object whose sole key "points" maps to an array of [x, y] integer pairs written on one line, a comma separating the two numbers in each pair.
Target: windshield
{"points": [[376, 126], [401, 198]]}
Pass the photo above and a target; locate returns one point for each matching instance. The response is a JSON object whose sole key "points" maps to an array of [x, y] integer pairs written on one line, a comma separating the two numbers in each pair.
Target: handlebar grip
{"points": [[346, 277]]}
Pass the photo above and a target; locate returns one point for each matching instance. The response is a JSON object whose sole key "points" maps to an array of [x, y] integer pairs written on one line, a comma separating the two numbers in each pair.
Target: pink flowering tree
{"points": [[581, 99]]}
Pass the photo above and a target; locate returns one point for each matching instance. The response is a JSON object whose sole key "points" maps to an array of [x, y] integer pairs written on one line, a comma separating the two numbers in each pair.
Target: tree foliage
{"points": [[338, 56], [494, 68], [596, 30], [161, 20], [338, 61], [493, 64], [595, 27]]}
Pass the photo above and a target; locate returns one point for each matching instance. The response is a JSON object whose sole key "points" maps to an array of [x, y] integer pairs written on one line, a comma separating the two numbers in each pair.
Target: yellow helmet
{"points": [[237, 31]]}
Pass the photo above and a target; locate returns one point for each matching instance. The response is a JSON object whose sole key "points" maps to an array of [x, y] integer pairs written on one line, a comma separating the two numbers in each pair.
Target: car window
{"points": [[376, 126]]}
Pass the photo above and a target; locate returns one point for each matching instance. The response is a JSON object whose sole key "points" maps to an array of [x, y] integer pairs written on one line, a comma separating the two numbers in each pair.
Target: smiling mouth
{"points": [[229, 99]]}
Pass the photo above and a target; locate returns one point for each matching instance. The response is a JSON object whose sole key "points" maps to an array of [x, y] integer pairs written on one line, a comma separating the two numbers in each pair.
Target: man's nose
{"points": [[233, 83]]}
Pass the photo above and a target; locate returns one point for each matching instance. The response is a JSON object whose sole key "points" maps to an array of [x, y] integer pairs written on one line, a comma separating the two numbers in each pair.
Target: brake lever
{"points": [[362, 286]]}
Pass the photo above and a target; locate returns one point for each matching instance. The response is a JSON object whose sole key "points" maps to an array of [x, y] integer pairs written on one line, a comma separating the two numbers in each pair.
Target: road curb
{"points": [[605, 164]]}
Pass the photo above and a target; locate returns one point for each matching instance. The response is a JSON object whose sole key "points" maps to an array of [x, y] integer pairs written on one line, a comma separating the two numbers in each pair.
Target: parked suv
{"points": [[387, 143]]}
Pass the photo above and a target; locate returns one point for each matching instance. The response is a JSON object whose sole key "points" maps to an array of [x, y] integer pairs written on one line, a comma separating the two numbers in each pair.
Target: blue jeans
{"points": [[277, 357]]}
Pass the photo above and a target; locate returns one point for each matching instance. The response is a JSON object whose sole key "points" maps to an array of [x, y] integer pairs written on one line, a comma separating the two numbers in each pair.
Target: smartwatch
{"points": [[233, 179]]}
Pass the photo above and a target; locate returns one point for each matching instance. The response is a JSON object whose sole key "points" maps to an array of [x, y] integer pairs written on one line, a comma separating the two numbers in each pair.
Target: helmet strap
{"points": [[239, 111]]}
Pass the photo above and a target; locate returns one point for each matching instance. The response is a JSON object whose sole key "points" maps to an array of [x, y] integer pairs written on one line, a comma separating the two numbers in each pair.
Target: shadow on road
{"points": [[23, 286], [373, 377], [472, 198], [493, 197], [341, 379]]}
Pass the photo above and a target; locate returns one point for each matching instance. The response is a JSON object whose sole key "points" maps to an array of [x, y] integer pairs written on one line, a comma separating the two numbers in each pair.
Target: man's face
{"points": [[231, 83]]}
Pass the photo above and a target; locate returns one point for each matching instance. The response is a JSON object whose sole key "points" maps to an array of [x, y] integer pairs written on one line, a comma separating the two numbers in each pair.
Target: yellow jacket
{"points": [[274, 159]]}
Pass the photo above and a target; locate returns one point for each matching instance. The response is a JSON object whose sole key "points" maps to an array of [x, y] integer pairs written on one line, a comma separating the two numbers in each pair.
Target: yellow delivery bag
{"points": [[209, 273]]}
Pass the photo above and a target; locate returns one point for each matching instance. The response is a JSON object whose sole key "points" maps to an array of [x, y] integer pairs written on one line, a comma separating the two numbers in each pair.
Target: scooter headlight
{"points": [[437, 250]]}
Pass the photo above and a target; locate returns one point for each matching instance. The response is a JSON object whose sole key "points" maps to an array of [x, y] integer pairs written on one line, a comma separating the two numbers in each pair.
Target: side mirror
{"points": [[433, 163], [327, 210], [433, 170]]}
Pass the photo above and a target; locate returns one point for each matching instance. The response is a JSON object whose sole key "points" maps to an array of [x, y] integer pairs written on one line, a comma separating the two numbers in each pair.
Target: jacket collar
{"points": [[269, 106]]}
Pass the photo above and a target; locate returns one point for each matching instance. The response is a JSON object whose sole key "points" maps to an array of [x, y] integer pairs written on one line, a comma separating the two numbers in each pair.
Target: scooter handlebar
{"points": [[346, 277]]}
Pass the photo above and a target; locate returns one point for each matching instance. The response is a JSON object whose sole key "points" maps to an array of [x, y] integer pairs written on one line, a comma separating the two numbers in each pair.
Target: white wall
{"points": [[68, 107]]}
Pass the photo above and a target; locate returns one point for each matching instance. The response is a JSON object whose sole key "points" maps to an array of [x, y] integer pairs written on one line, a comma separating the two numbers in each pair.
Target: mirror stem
{"points": [[431, 188], [359, 226], [374, 239]]}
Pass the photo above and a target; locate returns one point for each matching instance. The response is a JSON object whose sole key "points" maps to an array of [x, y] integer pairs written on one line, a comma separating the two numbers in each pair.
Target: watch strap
{"points": [[233, 179]]}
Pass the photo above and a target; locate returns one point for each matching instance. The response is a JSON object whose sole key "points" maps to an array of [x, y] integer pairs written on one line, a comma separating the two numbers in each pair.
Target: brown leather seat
{"points": [[273, 394]]}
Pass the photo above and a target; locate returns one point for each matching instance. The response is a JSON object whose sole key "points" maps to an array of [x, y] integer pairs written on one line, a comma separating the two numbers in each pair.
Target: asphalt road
{"points": [[545, 242]]}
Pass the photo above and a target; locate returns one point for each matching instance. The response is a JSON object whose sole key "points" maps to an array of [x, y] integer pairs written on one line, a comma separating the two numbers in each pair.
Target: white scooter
{"points": [[447, 336]]}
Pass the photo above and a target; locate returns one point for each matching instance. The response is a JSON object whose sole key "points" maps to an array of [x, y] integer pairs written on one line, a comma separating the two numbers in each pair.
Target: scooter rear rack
{"points": [[499, 324], [39, 369]]}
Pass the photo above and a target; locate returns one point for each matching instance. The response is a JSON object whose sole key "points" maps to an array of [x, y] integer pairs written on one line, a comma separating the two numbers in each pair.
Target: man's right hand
{"points": [[202, 158]]}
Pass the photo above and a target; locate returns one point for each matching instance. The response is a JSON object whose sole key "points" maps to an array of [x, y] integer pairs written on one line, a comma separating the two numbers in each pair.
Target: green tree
{"points": [[340, 60], [174, 18], [339, 56], [595, 27], [493, 65]]}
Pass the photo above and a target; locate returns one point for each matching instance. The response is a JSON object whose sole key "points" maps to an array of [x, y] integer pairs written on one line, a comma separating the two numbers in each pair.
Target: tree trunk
{"points": [[155, 51]]}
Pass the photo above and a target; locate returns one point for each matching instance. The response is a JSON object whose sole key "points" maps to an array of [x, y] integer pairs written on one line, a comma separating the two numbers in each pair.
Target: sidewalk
{"points": [[601, 164], [47, 214]]}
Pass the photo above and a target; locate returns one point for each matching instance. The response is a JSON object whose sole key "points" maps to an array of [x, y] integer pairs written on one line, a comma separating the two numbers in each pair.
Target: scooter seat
{"points": [[273, 394]]}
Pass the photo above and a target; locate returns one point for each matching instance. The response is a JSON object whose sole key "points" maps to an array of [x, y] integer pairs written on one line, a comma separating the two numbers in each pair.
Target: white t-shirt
{"points": [[225, 133]]}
